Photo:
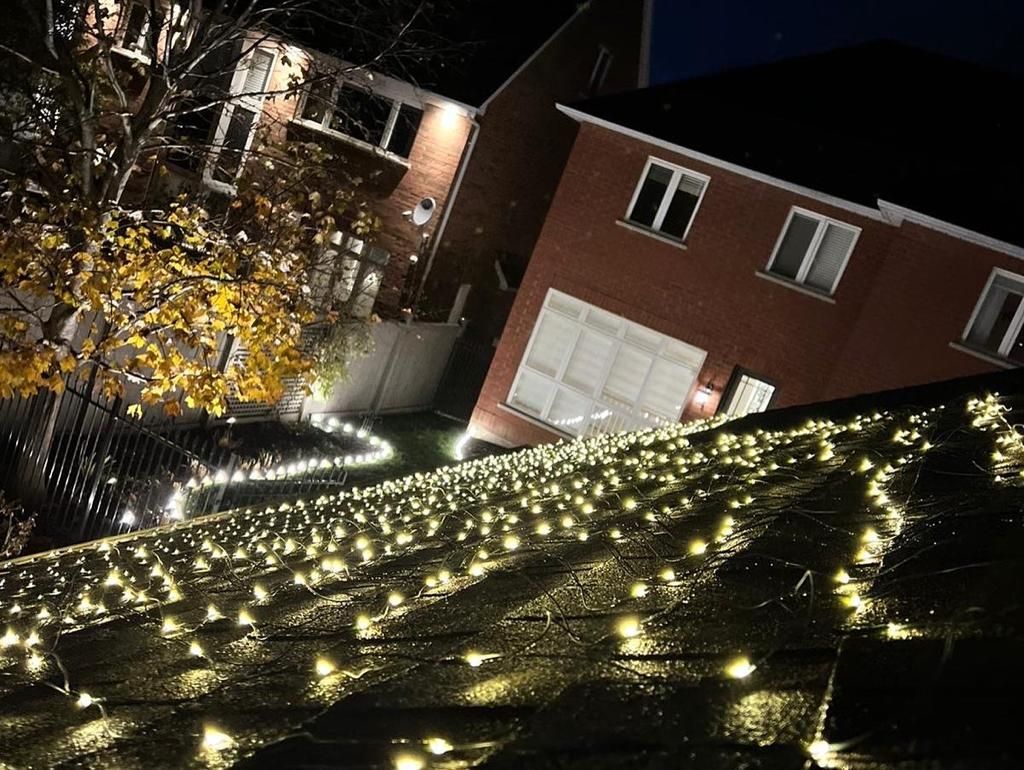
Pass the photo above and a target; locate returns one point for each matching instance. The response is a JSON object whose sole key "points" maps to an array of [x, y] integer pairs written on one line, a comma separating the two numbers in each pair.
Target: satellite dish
{"points": [[423, 212]]}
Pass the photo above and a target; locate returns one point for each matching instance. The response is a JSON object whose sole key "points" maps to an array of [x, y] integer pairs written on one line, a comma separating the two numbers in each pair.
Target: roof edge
{"points": [[898, 214], [830, 200], [885, 211], [529, 60]]}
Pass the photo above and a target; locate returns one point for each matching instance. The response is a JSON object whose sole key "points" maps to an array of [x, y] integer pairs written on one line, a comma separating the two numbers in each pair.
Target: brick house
{"points": [[789, 233], [410, 138], [520, 145]]}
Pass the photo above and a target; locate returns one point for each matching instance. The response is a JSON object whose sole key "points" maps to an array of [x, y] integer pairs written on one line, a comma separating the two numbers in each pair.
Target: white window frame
{"points": [[252, 102], [733, 392], [812, 248], [136, 48], [172, 23], [659, 219], [633, 416], [324, 124], [1016, 323]]}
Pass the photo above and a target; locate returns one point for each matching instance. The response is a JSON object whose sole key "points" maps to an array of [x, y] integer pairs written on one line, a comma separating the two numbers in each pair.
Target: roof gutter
{"points": [[889, 213], [897, 215], [841, 203]]}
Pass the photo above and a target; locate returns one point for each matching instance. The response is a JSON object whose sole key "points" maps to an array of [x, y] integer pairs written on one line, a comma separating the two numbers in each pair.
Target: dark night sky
{"points": [[693, 37]]}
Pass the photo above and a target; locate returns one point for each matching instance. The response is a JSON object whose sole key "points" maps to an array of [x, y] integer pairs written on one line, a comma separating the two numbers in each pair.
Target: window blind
{"points": [[831, 254]]}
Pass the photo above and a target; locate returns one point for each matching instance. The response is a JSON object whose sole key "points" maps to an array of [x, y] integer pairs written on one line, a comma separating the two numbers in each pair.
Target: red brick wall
{"points": [[392, 188], [520, 151], [906, 292]]}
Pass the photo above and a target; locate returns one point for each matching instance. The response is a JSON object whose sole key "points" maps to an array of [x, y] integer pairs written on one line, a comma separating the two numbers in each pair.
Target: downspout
{"points": [[646, 30], [449, 204]]}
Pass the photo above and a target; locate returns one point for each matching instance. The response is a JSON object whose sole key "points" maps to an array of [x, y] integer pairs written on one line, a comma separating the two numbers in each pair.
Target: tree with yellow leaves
{"points": [[109, 273]]}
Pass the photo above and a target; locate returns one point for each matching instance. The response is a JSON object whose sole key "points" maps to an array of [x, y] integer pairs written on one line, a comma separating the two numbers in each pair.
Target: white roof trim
{"points": [[890, 213], [839, 203], [898, 214], [583, 7]]}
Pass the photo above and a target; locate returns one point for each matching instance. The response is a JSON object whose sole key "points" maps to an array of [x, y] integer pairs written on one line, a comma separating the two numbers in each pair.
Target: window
{"points": [[238, 119], [666, 199], [813, 250], [364, 115], [601, 66], [588, 371], [138, 36], [997, 325], [746, 394]]}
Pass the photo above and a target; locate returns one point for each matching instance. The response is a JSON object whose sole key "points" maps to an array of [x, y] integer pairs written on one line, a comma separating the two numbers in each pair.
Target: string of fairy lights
{"points": [[475, 518], [181, 501]]}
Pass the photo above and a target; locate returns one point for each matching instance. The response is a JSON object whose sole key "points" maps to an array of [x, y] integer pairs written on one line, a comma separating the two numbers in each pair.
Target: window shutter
{"points": [[626, 377], [828, 261], [667, 386], [550, 344], [258, 74], [531, 392], [588, 361], [691, 185]]}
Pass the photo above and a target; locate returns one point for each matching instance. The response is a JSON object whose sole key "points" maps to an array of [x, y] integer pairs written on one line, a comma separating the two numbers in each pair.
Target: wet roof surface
{"points": [[835, 585]]}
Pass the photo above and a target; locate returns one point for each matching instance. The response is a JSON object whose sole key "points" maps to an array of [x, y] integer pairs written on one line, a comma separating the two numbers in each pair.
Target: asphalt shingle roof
{"points": [[880, 120], [835, 584]]}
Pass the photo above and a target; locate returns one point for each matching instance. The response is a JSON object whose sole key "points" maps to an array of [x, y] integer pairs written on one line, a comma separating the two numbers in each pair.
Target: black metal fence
{"points": [[88, 469]]}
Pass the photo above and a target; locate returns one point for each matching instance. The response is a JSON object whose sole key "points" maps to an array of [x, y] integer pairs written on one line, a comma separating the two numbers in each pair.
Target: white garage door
{"points": [[589, 371]]}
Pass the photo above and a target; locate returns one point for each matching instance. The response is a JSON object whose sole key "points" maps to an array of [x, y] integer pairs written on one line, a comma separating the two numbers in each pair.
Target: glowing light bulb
{"points": [[362, 622], [438, 746], [84, 700], [842, 577], [819, 749], [697, 547], [395, 599], [638, 590], [169, 626], [195, 649], [259, 592], [629, 627], [474, 659], [740, 668], [668, 575], [409, 762], [324, 667], [215, 740], [212, 613], [245, 619]]}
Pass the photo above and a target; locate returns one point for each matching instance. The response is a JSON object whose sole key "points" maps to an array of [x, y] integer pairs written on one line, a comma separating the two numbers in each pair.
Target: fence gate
{"points": [[463, 377]]}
